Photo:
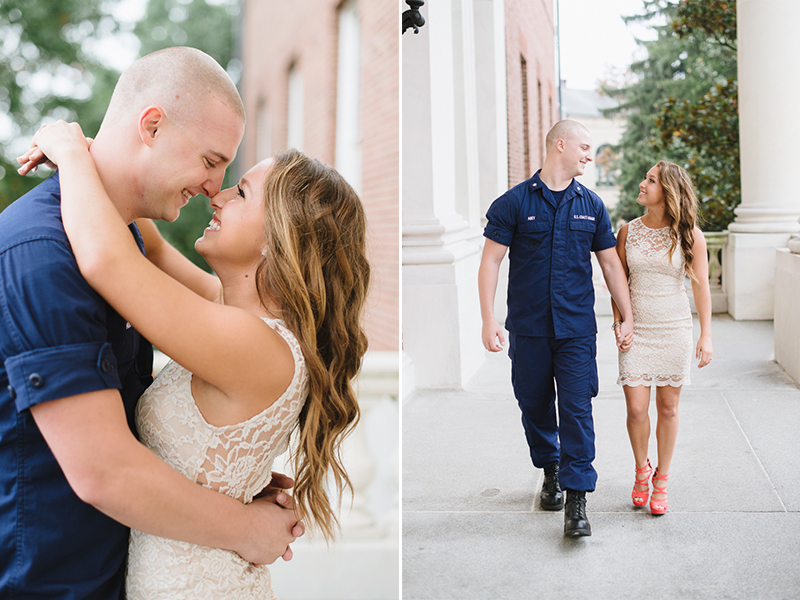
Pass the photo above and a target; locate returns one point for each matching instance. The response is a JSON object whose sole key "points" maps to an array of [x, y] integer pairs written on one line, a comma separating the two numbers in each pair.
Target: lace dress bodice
{"points": [[653, 274], [662, 318], [235, 460]]}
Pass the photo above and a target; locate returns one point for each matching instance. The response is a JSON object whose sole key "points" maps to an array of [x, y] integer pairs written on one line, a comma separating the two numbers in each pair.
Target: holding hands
{"points": [[623, 331]]}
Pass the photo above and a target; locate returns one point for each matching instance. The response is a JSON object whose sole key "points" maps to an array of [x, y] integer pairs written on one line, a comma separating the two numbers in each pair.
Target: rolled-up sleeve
{"points": [[55, 342], [502, 220], [604, 237], [51, 373]]}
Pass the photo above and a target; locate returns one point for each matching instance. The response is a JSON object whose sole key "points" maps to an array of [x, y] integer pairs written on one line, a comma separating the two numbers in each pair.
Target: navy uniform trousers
{"points": [[539, 366]]}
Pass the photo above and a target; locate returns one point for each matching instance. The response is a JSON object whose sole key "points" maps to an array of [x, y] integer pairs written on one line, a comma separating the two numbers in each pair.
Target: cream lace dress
{"points": [[662, 319], [235, 460]]}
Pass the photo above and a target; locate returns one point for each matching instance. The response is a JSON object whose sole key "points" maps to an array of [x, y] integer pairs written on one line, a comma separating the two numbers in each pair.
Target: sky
{"points": [[596, 44]]}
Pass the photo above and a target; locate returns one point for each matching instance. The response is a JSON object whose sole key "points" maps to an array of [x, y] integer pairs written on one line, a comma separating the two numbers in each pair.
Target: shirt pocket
{"points": [[581, 235], [532, 235]]}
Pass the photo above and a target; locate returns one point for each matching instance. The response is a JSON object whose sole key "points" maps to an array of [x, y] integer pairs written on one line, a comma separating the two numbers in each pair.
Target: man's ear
{"points": [[150, 121]]}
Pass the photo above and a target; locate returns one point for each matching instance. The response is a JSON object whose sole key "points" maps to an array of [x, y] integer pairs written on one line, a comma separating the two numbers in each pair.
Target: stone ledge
{"points": [[787, 325]]}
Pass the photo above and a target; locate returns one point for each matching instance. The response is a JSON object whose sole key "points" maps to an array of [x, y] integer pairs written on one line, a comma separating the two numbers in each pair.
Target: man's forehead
{"points": [[219, 134], [580, 136]]}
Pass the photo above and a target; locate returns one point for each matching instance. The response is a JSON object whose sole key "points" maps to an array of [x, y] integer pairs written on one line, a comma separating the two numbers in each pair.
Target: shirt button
{"points": [[12, 393], [36, 381], [106, 366]]}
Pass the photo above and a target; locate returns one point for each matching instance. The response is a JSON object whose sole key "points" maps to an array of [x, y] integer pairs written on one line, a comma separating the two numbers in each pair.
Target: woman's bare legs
{"points": [[667, 398], [637, 400]]}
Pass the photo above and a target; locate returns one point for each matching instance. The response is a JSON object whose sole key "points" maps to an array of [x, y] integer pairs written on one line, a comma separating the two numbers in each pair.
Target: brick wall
{"points": [[278, 34], [530, 32]]}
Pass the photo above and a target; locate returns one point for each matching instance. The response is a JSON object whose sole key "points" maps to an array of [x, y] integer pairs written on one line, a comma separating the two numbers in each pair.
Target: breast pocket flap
{"points": [[582, 225], [533, 226]]}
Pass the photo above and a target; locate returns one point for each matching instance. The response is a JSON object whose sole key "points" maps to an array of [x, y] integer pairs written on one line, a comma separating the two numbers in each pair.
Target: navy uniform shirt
{"points": [[58, 338], [550, 290]]}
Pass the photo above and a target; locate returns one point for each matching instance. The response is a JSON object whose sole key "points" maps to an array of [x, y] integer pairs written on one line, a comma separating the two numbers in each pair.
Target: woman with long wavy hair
{"points": [[658, 251], [267, 347]]}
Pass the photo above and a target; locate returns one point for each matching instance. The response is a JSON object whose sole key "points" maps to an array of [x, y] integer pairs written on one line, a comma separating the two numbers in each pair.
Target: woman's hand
{"points": [[52, 143], [31, 160], [705, 351], [624, 336]]}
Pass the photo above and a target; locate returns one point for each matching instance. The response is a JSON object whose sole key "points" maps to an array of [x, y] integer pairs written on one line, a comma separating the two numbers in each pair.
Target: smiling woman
{"points": [[288, 244], [236, 231]]}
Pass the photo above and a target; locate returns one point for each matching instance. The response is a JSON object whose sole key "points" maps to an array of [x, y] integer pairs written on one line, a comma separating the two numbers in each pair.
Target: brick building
{"points": [[531, 84], [323, 76]]}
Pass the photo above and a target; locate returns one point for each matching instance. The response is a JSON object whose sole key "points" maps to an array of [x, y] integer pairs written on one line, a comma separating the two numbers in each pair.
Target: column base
{"points": [[750, 274], [787, 325], [442, 322], [441, 311]]}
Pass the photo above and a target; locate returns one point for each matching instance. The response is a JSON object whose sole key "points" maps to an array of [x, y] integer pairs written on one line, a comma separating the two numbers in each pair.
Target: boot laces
{"points": [[576, 506], [551, 485]]}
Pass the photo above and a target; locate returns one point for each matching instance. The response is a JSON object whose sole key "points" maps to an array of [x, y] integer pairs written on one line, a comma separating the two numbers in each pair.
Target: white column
{"points": [[492, 105], [441, 319], [769, 83]]}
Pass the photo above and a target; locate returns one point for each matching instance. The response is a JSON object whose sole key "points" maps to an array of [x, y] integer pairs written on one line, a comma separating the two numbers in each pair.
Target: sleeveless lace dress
{"points": [[662, 319], [235, 460]]}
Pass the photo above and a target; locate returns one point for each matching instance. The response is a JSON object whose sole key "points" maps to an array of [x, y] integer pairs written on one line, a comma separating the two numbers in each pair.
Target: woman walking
{"points": [[658, 250]]}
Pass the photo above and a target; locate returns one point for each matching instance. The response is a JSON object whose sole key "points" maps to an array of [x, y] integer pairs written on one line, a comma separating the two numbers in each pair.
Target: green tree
{"points": [[683, 107], [210, 27], [45, 72]]}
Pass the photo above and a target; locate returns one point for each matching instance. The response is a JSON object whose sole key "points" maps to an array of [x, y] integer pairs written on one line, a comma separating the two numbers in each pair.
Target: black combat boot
{"points": [[575, 521], [551, 498]]}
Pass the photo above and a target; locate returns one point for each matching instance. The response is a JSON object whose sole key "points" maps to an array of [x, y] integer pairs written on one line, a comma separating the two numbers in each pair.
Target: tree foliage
{"points": [[46, 73], [683, 107]]}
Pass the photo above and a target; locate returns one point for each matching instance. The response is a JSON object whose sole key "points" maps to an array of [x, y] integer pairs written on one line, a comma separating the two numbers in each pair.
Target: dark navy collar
{"points": [[536, 183]]}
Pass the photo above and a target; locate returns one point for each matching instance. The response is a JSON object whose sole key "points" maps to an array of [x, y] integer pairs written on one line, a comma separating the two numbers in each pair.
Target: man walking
{"points": [[550, 224]]}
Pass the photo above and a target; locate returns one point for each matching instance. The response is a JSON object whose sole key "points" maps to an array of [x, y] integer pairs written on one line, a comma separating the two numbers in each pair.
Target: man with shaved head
{"points": [[550, 225], [73, 477]]}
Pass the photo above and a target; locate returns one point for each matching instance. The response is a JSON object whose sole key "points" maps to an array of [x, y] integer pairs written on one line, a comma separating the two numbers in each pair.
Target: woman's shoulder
{"points": [[280, 327], [699, 237], [631, 225]]}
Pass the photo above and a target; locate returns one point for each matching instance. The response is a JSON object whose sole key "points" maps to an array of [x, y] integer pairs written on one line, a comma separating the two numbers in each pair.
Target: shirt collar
{"points": [[535, 183]]}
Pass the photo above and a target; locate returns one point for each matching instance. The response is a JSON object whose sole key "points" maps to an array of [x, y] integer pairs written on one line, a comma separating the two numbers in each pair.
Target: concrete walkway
{"points": [[472, 528]]}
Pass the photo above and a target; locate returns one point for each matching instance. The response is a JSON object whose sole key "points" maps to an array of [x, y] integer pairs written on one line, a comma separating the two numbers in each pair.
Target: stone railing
{"points": [[787, 290], [716, 242]]}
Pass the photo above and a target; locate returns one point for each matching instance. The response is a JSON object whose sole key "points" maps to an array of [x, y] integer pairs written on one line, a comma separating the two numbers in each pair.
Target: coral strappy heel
{"points": [[659, 507], [640, 497]]}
